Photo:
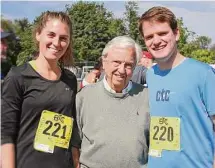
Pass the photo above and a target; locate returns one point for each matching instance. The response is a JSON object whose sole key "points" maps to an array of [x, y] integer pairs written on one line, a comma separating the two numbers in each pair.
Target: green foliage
{"points": [[24, 31], [194, 47], [117, 28], [27, 44], [185, 34], [203, 42], [21, 24], [212, 48], [204, 55], [131, 22], [93, 27], [6, 25]]}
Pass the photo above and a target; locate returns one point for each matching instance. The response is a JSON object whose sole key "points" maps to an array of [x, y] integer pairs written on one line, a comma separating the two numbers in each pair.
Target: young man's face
{"points": [[160, 40]]}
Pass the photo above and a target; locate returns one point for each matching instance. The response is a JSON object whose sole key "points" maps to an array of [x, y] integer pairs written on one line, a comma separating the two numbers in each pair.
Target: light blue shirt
{"points": [[187, 93]]}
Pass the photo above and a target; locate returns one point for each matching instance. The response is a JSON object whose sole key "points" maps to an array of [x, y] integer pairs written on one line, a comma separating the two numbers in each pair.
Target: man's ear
{"points": [[38, 36], [177, 34], [104, 62]]}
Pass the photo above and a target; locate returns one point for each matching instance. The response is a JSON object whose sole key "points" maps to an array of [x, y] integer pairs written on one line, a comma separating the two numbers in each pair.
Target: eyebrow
{"points": [[130, 62], [158, 32], [63, 35], [148, 35]]}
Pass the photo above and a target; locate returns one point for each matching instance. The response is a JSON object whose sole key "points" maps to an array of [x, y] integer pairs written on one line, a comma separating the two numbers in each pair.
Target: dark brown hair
{"points": [[159, 14], [67, 58]]}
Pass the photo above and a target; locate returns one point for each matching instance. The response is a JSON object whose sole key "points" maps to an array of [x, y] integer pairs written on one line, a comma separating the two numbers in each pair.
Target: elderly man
{"points": [[113, 114]]}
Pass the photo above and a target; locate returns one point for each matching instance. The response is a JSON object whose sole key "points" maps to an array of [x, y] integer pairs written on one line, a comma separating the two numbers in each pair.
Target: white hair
{"points": [[123, 42]]}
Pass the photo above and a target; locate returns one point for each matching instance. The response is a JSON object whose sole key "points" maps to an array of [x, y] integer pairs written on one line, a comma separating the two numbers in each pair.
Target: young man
{"points": [[182, 98], [113, 114]]}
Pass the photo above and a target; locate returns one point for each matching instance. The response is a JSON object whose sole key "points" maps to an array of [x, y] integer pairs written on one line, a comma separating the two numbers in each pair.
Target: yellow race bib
{"points": [[165, 133], [54, 129]]}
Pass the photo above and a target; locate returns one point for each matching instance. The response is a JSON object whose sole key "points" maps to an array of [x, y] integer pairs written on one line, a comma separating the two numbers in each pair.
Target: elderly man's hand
{"points": [[92, 76]]}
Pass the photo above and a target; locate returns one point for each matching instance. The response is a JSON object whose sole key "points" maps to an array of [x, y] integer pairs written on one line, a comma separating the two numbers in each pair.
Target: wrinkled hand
{"points": [[91, 77]]}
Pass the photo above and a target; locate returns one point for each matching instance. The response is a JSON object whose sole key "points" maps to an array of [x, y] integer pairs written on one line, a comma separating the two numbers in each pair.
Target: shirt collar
{"points": [[109, 89]]}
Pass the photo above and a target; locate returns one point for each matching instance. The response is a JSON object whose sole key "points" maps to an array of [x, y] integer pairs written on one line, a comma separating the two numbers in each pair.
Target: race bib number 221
{"points": [[54, 129]]}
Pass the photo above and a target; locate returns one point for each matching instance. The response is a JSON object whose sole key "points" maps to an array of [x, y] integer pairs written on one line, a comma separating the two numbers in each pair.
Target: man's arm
{"points": [[90, 78], [76, 144], [77, 132], [75, 157], [208, 93], [7, 156]]}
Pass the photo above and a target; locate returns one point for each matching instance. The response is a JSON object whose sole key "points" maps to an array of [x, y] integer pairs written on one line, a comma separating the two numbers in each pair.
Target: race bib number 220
{"points": [[165, 133], [54, 129]]}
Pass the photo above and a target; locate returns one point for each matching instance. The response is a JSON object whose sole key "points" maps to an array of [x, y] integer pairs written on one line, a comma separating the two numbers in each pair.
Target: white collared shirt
{"points": [[109, 89]]}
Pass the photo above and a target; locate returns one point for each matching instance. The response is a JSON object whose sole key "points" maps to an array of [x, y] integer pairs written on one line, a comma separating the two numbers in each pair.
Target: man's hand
{"points": [[92, 76]]}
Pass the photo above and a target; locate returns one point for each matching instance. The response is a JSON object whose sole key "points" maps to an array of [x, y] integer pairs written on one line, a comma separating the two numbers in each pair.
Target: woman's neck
{"points": [[47, 65], [48, 69]]}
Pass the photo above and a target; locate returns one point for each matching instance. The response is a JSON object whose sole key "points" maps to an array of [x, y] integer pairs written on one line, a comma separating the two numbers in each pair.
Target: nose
{"points": [[56, 41], [156, 40], [121, 68]]}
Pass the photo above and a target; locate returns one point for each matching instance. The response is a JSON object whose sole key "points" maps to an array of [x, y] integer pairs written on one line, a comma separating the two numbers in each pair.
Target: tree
{"points": [[20, 25], [24, 31], [194, 46], [116, 27], [203, 42], [204, 55], [92, 29], [6, 24], [212, 48], [184, 33], [131, 22], [27, 45]]}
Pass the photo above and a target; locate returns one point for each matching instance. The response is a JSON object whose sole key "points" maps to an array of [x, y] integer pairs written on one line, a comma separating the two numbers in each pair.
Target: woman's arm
{"points": [[8, 156]]}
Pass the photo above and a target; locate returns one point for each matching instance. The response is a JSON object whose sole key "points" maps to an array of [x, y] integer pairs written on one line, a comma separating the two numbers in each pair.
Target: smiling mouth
{"points": [[159, 48], [53, 49], [120, 77]]}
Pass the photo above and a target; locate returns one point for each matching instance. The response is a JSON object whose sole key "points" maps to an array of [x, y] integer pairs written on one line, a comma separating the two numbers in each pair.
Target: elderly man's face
{"points": [[3, 48], [118, 67]]}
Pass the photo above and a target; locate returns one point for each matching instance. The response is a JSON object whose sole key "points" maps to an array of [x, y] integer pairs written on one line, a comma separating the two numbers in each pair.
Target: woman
{"points": [[38, 101]]}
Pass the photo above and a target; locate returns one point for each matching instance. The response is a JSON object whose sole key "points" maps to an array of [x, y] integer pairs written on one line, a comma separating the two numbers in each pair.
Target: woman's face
{"points": [[53, 40]]}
